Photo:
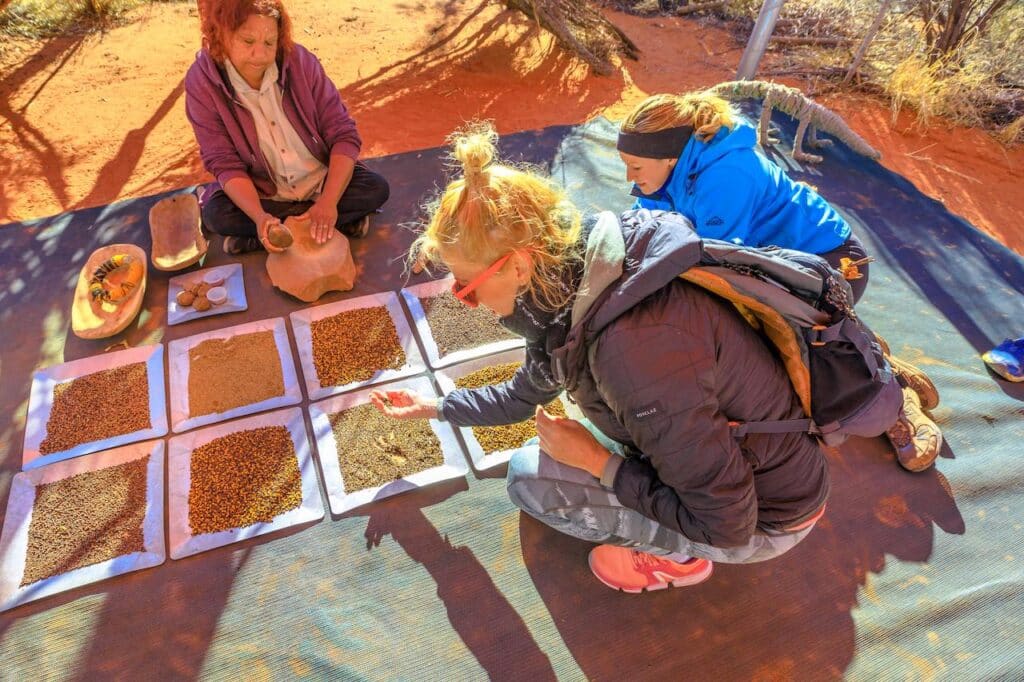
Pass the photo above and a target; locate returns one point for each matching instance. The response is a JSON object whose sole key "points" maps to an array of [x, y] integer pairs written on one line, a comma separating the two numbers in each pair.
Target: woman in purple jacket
{"points": [[273, 131], [658, 366]]}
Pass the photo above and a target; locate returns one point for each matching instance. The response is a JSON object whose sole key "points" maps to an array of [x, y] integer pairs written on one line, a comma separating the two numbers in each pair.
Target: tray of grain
{"points": [[355, 343], [492, 446], [451, 331], [230, 373], [75, 522], [95, 403], [367, 456], [240, 479]]}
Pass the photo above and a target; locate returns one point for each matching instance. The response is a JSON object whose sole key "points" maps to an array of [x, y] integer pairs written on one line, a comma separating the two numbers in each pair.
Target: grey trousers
{"points": [[573, 502]]}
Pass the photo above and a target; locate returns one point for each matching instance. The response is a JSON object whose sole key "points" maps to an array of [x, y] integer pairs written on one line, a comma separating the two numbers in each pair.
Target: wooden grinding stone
{"points": [[174, 225], [99, 319], [308, 270]]}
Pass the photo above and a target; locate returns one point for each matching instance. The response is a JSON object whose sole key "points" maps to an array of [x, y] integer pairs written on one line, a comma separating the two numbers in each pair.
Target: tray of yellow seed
{"points": [[451, 331], [95, 403], [78, 521], [240, 479], [492, 446], [231, 372], [350, 344], [366, 455]]}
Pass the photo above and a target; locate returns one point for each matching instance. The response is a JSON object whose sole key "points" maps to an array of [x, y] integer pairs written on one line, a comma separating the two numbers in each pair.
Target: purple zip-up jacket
{"points": [[226, 132]]}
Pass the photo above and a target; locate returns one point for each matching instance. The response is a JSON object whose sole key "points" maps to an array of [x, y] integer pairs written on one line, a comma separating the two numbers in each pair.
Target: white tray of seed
{"points": [[354, 343], [491, 446], [367, 456], [222, 286], [231, 372], [95, 403], [83, 520], [451, 331], [238, 480]]}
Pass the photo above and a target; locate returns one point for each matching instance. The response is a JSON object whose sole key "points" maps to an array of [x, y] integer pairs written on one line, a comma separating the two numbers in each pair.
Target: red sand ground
{"points": [[87, 120]]}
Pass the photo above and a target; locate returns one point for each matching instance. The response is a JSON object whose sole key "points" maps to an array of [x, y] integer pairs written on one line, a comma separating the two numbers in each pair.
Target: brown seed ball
{"points": [[201, 289], [185, 297], [201, 303], [280, 236]]}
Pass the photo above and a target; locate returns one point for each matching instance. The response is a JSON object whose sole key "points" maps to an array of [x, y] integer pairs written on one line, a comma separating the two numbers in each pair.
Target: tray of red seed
{"points": [[82, 520], [451, 331], [231, 372], [355, 343], [367, 456], [95, 403], [492, 446], [240, 479]]}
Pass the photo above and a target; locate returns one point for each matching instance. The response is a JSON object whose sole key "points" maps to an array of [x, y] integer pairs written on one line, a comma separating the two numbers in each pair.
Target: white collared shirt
{"points": [[298, 175]]}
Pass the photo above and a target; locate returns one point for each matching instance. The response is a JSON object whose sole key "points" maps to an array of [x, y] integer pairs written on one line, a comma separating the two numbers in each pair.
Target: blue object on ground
{"points": [[1007, 359]]}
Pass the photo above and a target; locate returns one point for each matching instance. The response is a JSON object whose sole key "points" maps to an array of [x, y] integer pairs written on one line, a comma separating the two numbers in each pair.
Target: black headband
{"points": [[663, 144]]}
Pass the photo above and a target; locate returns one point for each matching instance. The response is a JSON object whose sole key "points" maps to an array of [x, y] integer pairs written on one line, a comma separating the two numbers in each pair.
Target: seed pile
{"points": [[227, 373], [374, 449], [506, 436], [456, 326], [243, 478], [354, 345], [85, 519], [97, 406]]}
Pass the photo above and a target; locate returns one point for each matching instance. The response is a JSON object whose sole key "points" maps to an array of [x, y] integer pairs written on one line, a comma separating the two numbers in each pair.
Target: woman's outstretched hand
{"points": [[404, 404], [569, 442]]}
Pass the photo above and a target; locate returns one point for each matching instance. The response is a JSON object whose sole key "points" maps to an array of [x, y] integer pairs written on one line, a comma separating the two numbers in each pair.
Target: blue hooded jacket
{"points": [[729, 191]]}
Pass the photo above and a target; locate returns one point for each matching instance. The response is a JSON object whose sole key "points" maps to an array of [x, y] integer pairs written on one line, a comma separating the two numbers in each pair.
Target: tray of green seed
{"points": [[367, 456], [95, 403], [231, 372], [350, 344], [492, 446], [238, 480], [451, 331], [82, 520]]}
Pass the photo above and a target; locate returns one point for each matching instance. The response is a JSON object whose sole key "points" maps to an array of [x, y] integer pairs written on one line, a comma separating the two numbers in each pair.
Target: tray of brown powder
{"points": [[355, 343], [82, 520], [240, 479], [492, 446], [94, 404], [231, 372], [367, 456], [451, 331]]}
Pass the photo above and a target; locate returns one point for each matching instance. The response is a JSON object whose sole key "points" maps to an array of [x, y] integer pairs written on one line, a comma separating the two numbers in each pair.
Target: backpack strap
{"points": [[848, 330], [741, 429]]}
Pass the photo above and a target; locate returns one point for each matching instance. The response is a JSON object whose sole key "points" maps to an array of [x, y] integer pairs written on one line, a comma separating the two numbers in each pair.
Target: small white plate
{"points": [[233, 282], [14, 540], [302, 321], [412, 296], [327, 448], [178, 362], [40, 402], [446, 379], [182, 542]]}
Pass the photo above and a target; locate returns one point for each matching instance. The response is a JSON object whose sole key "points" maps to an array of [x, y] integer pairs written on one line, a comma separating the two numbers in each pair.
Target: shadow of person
{"points": [[756, 621], [484, 619]]}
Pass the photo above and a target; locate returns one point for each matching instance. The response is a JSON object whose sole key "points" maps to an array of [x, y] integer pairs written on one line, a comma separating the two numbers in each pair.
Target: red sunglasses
{"points": [[465, 294]]}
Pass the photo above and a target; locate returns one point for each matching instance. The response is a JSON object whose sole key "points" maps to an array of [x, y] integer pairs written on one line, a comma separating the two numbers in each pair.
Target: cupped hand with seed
{"points": [[405, 404]]}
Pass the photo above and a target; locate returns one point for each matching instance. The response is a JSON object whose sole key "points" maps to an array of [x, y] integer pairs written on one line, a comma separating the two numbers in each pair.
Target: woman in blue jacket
{"points": [[693, 155]]}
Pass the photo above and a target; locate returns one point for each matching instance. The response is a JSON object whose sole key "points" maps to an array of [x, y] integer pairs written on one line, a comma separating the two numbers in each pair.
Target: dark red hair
{"points": [[220, 18]]}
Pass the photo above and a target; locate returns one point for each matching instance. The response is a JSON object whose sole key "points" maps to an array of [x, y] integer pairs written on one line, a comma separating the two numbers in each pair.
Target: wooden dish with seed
{"points": [[95, 403], [367, 456], [354, 343], [82, 520], [238, 480]]}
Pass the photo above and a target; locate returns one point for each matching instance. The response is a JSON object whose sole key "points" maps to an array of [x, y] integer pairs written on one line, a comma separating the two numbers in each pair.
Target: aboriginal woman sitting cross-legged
{"points": [[659, 366]]}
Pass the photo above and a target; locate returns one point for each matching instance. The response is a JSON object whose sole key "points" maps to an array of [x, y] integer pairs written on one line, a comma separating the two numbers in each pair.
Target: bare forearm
{"points": [[243, 193], [339, 174]]}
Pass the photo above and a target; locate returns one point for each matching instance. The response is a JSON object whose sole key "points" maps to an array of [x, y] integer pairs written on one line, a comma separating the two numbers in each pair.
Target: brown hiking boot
{"points": [[915, 437], [914, 378]]}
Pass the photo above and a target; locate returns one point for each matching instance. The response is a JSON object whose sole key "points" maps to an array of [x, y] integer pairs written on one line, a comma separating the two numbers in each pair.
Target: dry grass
{"points": [[45, 18]]}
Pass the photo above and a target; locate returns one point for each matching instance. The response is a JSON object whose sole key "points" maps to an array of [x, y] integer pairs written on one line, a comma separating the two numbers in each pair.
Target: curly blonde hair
{"points": [[707, 113], [493, 209]]}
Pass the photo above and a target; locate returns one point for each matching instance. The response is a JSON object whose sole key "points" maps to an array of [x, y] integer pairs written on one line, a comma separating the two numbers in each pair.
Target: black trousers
{"points": [[366, 192], [853, 249]]}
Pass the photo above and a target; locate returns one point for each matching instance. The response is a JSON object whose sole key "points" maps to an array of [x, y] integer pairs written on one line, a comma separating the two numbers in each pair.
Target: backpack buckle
{"points": [[818, 329]]}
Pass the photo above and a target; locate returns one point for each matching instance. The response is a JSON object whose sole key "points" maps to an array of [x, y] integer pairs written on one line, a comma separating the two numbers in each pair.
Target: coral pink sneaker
{"points": [[629, 570]]}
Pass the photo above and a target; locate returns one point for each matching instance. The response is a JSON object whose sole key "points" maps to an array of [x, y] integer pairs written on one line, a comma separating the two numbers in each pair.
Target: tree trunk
{"points": [[868, 37]]}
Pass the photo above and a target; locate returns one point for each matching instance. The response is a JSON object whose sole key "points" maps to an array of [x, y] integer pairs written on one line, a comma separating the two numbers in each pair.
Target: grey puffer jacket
{"points": [[662, 366]]}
